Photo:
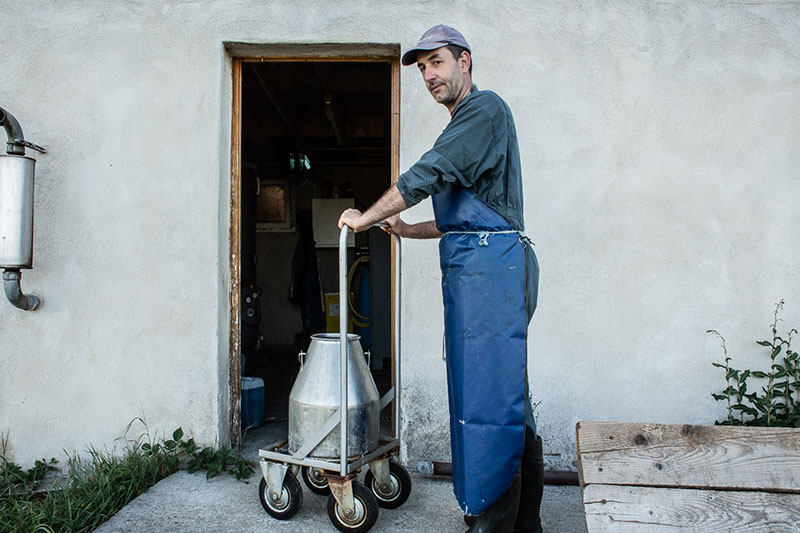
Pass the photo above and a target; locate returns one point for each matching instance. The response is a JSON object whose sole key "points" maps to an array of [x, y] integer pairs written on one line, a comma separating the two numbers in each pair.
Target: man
{"points": [[489, 284]]}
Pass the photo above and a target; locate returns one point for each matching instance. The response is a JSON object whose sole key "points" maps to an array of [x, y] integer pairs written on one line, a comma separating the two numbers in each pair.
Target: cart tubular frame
{"points": [[278, 452]]}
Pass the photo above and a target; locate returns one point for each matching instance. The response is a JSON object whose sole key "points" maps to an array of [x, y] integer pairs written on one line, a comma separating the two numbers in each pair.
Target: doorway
{"points": [[313, 135]]}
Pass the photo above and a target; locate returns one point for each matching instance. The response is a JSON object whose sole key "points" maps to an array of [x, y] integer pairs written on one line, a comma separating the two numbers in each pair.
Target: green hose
{"points": [[350, 304]]}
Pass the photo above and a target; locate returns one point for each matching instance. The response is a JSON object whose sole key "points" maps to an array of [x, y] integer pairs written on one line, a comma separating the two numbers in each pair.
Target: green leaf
{"points": [[744, 409], [764, 343], [177, 434], [758, 374]]}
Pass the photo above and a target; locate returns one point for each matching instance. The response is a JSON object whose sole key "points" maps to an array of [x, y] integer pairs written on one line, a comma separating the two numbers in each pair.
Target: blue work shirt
{"points": [[478, 150]]}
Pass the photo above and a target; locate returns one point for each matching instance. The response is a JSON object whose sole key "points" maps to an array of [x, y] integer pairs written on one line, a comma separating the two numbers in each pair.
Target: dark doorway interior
{"points": [[316, 137]]}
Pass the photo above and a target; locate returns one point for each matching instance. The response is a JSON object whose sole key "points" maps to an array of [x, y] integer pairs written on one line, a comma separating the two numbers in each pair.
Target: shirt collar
{"points": [[461, 103]]}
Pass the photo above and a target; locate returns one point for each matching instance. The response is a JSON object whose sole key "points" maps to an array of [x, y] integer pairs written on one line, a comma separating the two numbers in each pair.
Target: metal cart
{"points": [[352, 505]]}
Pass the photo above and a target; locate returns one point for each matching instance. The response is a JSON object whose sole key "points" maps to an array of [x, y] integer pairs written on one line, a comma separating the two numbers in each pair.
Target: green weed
{"points": [[777, 403], [94, 488]]}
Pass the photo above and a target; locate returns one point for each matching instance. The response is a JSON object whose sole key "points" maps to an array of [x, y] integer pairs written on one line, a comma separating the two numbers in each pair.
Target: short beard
{"points": [[452, 93]]}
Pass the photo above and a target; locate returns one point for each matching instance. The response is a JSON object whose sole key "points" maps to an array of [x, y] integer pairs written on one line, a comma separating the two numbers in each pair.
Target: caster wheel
{"points": [[316, 481], [365, 515], [289, 502], [398, 490]]}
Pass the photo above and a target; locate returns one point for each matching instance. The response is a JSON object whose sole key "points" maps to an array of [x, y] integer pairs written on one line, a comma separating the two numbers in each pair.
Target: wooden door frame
{"points": [[241, 53]]}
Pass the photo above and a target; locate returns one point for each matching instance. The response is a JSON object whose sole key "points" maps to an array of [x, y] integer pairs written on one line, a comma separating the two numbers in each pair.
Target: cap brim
{"points": [[410, 57]]}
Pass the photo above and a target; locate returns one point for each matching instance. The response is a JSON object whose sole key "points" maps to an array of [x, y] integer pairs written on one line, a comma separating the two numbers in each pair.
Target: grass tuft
{"points": [[93, 489]]}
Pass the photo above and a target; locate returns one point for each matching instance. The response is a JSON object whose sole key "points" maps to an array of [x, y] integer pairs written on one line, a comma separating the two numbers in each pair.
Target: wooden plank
{"points": [[718, 457], [602, 436], [394, 168], [235, 244], [313, 51], [645, 509], [579, 431]]}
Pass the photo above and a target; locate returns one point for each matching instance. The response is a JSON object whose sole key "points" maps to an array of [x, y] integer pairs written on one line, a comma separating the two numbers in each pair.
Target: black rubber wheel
{"points": [[398, 490], [366, 511], [316, 481], [288, 504]]}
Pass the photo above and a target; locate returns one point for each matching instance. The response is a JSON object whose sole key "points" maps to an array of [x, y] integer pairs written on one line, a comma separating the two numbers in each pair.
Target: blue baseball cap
{"points": [[434, 38]]}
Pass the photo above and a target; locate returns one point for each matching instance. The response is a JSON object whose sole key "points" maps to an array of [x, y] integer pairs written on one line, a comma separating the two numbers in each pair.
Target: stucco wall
{"points": [[660, 150]]}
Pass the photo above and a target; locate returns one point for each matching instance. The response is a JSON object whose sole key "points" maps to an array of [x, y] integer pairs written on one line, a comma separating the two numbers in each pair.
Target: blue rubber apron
{"points": [[483, 285]]}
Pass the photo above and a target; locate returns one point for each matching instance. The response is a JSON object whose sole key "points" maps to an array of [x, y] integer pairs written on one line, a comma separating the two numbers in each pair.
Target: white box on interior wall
{"points": [[326, 213]]}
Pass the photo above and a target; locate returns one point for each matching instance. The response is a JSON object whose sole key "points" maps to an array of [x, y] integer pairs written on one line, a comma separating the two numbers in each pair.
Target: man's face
{"points": [[444, 75]]}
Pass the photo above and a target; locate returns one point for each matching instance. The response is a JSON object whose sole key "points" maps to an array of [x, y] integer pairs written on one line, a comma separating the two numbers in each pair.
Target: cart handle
{"points": [[343, 311], [343, 305]]}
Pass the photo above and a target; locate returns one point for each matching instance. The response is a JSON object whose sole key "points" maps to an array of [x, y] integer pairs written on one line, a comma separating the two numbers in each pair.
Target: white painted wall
{"points": [[661, 154]]}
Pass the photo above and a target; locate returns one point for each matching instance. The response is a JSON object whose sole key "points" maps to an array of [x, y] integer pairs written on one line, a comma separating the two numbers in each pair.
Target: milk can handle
{"points": [[301, 358], [369, 358]]}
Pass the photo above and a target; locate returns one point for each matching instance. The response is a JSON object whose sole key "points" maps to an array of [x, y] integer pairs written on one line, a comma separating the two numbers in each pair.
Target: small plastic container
{"points": [[252, 402]]}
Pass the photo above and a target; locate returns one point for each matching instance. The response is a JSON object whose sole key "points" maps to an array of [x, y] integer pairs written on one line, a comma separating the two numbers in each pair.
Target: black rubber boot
{"points": [[532, 465], [499, 518]]}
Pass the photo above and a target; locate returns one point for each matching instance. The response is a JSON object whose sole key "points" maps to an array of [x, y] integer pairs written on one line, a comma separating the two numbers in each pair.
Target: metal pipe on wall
{"points": [[11, 285], [13, 132], [551, 477], [16, 212]]}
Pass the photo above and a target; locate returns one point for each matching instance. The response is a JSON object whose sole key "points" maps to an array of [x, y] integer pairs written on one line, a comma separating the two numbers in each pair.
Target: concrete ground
{"points": [[189, 502]]}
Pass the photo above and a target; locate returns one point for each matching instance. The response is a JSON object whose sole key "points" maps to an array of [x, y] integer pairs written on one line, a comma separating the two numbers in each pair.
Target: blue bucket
{"points": [[252, 402]]}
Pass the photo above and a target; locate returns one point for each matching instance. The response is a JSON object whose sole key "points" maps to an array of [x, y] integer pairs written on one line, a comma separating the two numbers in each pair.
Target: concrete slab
{"points": [[188, 502]]}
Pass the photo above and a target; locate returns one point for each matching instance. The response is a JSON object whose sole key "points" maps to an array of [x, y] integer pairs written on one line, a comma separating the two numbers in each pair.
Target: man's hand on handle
{"points": [[353, 218], [388, 204], [396, 226], [386, 209]]}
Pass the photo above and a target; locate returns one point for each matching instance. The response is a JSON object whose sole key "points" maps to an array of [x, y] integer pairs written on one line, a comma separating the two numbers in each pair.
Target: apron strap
{"points": [[483, 236]]}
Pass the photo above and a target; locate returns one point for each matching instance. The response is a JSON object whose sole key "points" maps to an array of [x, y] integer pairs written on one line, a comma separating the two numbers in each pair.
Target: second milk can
{"points": [[316, 396]]}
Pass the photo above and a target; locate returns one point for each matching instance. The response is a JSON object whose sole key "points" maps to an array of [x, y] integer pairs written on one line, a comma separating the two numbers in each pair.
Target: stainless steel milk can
{"points": [[316, 396]]}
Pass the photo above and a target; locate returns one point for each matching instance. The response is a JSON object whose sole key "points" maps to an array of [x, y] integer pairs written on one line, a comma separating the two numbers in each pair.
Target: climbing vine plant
{"points": [[769, 397]]}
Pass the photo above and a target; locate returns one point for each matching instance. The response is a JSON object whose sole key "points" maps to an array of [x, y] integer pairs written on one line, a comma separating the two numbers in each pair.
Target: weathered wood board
{"points": [[657, 477], [620, 509], [718, 457]]}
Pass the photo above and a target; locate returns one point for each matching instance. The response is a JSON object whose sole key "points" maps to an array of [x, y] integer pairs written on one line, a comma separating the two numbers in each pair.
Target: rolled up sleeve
{"points": [[426, 177], [466, 150]]}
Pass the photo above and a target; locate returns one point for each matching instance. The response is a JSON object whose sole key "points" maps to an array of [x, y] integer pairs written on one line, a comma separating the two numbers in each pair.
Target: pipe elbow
{"points": [[11, 285], [13, 132]]}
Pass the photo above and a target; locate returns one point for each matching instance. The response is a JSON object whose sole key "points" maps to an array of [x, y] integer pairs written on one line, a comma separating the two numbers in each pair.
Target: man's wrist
{"points": [[363, 224], [401, 228]]}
